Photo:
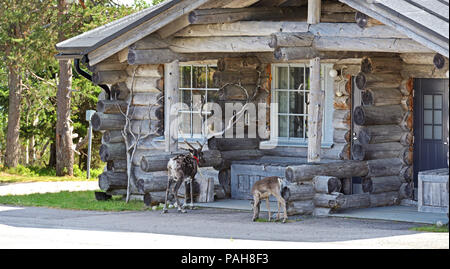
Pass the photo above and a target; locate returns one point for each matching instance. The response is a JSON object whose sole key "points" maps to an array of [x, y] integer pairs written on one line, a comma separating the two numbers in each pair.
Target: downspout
{"points": [[89, 77]]}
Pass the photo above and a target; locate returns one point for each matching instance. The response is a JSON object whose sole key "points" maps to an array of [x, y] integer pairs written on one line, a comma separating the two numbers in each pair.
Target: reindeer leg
{"points": [[167, 194], [175, 189], [191, 190], [283, 205], [256, 203], [268, 208]]}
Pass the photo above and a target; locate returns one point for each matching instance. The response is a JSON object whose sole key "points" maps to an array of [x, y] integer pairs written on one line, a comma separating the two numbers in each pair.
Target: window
{"points": [[432, 116], [196, 81], [289, 112]]}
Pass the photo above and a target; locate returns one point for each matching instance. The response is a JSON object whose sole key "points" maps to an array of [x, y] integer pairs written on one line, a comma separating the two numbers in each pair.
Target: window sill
{"points": [[270, 144]]}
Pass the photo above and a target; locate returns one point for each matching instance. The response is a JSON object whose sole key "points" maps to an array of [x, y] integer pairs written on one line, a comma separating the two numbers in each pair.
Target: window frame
{"points": [[327, 129], [192, 135]]}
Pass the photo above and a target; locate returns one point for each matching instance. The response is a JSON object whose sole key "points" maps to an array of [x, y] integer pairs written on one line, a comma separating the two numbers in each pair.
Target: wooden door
{"points": [[430, 124]]}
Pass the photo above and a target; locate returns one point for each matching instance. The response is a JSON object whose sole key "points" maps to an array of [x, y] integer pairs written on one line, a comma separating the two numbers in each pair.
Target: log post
{"points": [[317, 96], [314, 10], [327, 184], [171, 80]]}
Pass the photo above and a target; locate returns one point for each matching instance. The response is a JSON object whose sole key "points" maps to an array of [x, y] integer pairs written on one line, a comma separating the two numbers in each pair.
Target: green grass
{"points": [[431, 229], [80, 200]]}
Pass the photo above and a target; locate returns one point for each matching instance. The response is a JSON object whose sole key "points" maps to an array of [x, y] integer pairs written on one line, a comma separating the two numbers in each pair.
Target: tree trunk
{"points": [[64, 143], [12, 136]]}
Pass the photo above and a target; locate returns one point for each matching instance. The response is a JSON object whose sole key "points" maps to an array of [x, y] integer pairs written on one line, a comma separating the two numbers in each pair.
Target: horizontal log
{"points": [[301, 53], [146, 70], [150, 181], [326, 184], [109, 77], [423, 71], [112, 106], [152, 112], [244, 154], [242, 28], [354, 201], [158, 162], [238, 63], [221, 44], [113, 151], [145, 127], [145, 84], [107, 66], [153, 41], [109, 181], [384, 167], [119, 91], [300, 207], [117, 165], [291, 40], [151, 56], [224, 144], [384, 199], [340, 169], [227, 15], [326, 200], [148, 99], [112, 136], [394, 45], [101, 121], [378, 115], [374, 134], [378, 151], [249, 77], [381, 184], [377, 81], [352, 30], [381, 65], [381, 97], [299, 192]]}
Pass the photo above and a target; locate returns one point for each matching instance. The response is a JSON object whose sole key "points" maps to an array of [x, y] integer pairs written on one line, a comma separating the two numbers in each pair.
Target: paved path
{"points": [[202, 228], [33, 227], [43, 187]]}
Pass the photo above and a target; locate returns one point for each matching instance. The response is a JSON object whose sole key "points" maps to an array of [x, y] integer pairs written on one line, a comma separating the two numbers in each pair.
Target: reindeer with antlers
{"points": [[181, 168]]}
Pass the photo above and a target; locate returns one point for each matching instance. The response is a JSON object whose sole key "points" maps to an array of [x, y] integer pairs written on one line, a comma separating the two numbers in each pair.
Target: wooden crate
{"points": [[243, 176], [433, 191]]}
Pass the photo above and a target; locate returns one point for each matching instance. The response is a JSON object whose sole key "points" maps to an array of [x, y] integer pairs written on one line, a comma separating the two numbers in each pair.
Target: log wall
{"points": [[384, 130], [139, 90]]}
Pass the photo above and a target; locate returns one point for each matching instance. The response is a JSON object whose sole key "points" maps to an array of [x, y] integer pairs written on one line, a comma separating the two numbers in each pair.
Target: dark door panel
{"points": [[430, 124]]}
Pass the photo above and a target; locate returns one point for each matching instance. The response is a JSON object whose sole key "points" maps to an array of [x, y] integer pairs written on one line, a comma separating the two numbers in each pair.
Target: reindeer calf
{"points": [[262, 189]]}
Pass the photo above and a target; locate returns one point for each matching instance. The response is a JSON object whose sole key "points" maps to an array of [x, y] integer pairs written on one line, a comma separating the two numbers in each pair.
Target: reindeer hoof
{"points": [[284, 220], [182, 211], [164, 211], [254, 219]]}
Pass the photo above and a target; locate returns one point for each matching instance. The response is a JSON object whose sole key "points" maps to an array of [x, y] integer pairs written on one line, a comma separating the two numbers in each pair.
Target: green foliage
{"points": [[39, 171], [29, 30]]}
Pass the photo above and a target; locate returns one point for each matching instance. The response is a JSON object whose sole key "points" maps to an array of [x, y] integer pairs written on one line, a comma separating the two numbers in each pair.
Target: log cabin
{"points": [[350, 98]]}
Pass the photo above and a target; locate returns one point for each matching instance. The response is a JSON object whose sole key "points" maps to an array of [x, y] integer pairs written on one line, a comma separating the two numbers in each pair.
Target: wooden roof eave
{"points": [[407, 26]]}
